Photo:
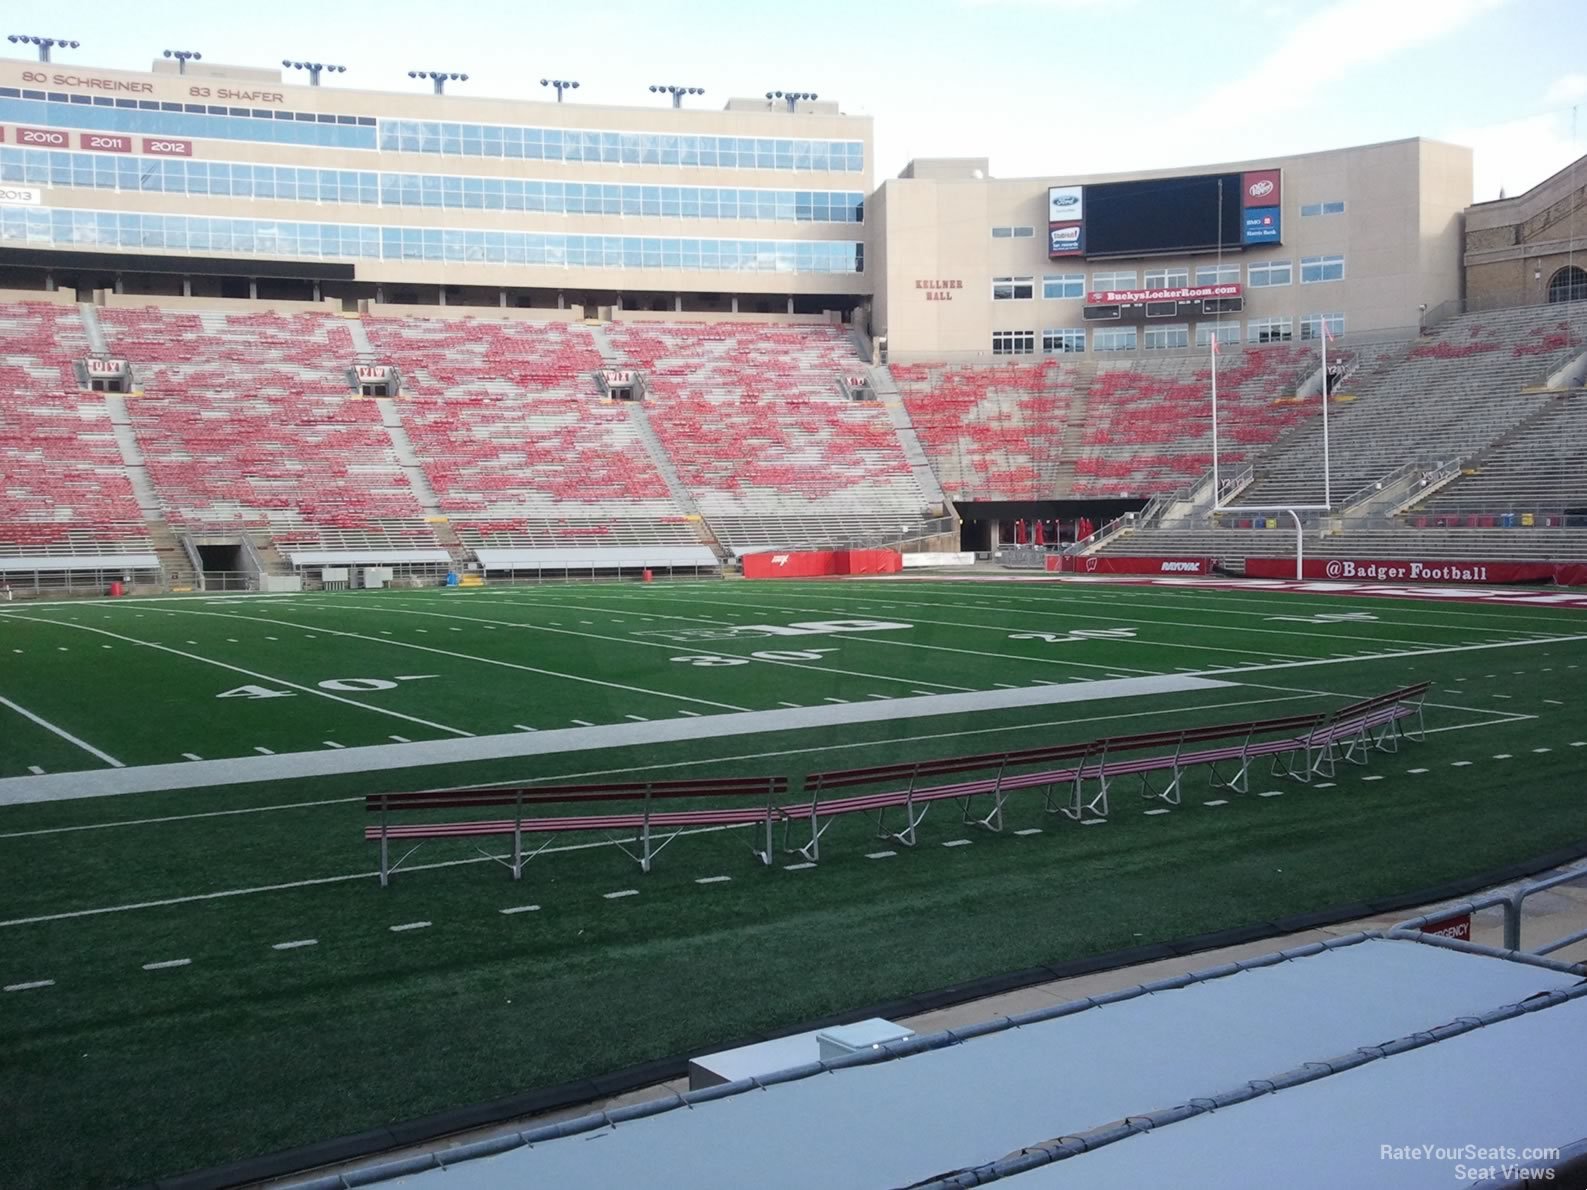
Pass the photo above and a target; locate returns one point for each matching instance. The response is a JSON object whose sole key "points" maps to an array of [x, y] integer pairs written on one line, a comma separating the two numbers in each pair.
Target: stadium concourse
{"points": [[506, 600]]}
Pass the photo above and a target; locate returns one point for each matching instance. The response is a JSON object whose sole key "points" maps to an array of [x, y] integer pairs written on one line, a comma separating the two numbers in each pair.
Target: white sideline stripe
{"points": [[239, 770], [523, 727], [522, 909], [797, 867], [794, 705], [149, 644], [400, 739], [167, 963], [1157, 811], [295, 945], [690, 714], [713, 879], [191, 756], [1029, 830], [880, 854], [28, 987], [412, 925], [1373, 777], [637, 718], [958, 842], [1272, 793], [1217, 801], [63, 733], [581, 722], [622, 892], [840, 747]]}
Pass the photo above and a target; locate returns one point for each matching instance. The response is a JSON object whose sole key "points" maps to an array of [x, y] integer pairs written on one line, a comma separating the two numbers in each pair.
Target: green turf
{"points": [[249, 1049]]}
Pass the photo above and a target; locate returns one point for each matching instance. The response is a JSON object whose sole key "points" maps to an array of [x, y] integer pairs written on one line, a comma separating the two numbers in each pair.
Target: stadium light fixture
{"points": [[675, 91], [561, 85], [314, 69], [183, 57], [44, 44], [792, 98], [439, 77]]}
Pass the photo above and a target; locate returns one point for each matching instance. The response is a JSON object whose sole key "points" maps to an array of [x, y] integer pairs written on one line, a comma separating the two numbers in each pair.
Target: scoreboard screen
{"points": [[1162, 215]]}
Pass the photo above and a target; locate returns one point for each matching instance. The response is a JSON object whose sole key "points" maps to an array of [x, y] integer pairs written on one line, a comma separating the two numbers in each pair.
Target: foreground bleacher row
{"points": [[502, 448], [641, 818]]}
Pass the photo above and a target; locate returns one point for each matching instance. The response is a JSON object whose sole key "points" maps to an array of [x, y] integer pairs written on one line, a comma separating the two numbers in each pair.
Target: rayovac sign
{"points": [[1113, 564], [1184, 293]]}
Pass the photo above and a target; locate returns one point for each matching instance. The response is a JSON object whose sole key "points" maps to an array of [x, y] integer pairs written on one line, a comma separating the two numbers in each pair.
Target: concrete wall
{"points": [[1514, 246]]}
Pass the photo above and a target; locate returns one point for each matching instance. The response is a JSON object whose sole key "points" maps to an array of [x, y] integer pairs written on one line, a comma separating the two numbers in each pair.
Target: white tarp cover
{"points": [[365, 557], [898, 1122], [608, 558], [105, 562]]}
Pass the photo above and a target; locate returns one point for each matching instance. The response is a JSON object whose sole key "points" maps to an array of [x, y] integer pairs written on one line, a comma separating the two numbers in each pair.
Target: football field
{"points": [[200, 965]]}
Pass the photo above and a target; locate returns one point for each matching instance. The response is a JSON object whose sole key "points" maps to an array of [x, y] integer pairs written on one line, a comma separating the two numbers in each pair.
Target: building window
{"points": [[1217, 274], [1269, 273], [1102, 281], [1227, 333], [1309, 209], [1269, 330], [1311, 325], [1167, 278], [1159, 338], [1321, 268], [1063, 341], [1013, 342], [1010, 289], [1013, 233], [1063, 285], [1113, 338], [1568, 284]]}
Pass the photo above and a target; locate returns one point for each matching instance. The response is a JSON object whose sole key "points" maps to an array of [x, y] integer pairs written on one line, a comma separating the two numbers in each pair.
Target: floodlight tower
{"points": [[314, 69], [792, 98], [44, 44], [183, 57], [675, 91], [561, 85], [439, 77]]}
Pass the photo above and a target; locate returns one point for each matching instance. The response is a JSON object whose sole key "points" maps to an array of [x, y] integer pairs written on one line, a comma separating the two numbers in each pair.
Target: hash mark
{"points": [[797, 867], [263, 751], [1217, 801], [1159, 810], [523, 909], [523, 727], [637, 718], [35, 770], [1459, 764], [1416, 770], [191, 756], [167, 963], [958, 843], [581, 722], [295, 945], [712, 879], [412, 925], [28, 987], [622, 892], [332, 744], [1092, 821], [1029, 830], [401, 739], [1272, 793], [880, 854]]}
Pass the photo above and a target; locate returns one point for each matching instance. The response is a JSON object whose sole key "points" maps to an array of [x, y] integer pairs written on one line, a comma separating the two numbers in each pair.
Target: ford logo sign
{"points": [[1065, 200], [1260, 189]]}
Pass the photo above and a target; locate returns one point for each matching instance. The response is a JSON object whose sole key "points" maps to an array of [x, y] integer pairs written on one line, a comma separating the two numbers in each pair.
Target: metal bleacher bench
{"points": [[652, 828], [1076, 777], [1302, 746]]}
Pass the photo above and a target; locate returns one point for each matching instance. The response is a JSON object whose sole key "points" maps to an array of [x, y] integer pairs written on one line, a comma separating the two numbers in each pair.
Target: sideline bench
{"points": [[641, 843], [1302, 746]]}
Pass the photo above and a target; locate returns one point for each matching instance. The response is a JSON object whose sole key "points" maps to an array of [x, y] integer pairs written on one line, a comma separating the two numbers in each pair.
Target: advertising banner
{"points": [[821, 563], [164, 146], [1182, 293], [1261, 225], [1110, 564], [1457, 927], [1066, 239], [1065, 204], [104, 142], [47, 138], [1357, 570], [1260, 188]]}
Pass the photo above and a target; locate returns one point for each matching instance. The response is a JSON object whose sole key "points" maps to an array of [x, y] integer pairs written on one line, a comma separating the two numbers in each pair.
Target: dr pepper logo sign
{"points": [[1260, 188]]}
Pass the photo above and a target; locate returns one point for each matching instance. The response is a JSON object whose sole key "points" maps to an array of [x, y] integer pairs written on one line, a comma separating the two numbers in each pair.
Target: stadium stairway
{"points": [[1073, 440], [603, 344], [675, 485], [886, 390], [132, 458], [96, 333], [408, 460], [361, 343]]}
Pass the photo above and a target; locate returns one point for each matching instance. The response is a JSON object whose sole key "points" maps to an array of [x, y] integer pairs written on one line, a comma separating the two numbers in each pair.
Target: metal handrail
{"points": [[1512, 902]]}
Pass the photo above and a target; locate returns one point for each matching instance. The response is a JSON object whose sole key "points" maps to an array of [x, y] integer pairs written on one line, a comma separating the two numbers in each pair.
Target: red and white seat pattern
{"points": [[1149, 422], [246, 422], [437, 356], [753, 418], [991, 433], [63, 485]]}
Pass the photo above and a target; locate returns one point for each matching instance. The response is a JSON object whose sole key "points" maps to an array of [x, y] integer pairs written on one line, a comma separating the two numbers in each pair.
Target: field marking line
{"points": [[63, 733], [30, 985], [591, 773], [1124, 619], [825, 670], [167, 964], [457, 731], [1507, 716], [301, 942], [521, 909], [410, 925], [501, 746], [622, 892], [1149, 597], [549, 673], [712, 879]]}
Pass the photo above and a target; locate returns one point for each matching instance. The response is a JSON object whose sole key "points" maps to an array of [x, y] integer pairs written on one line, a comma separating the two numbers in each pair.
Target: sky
{"points": [[1041, 87]]}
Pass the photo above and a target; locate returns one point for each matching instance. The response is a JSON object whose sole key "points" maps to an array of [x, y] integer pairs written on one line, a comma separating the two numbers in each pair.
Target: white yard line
{"points": [[63, 733], [742, 758], [255, 675], [548, 673], [287, 766]]}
